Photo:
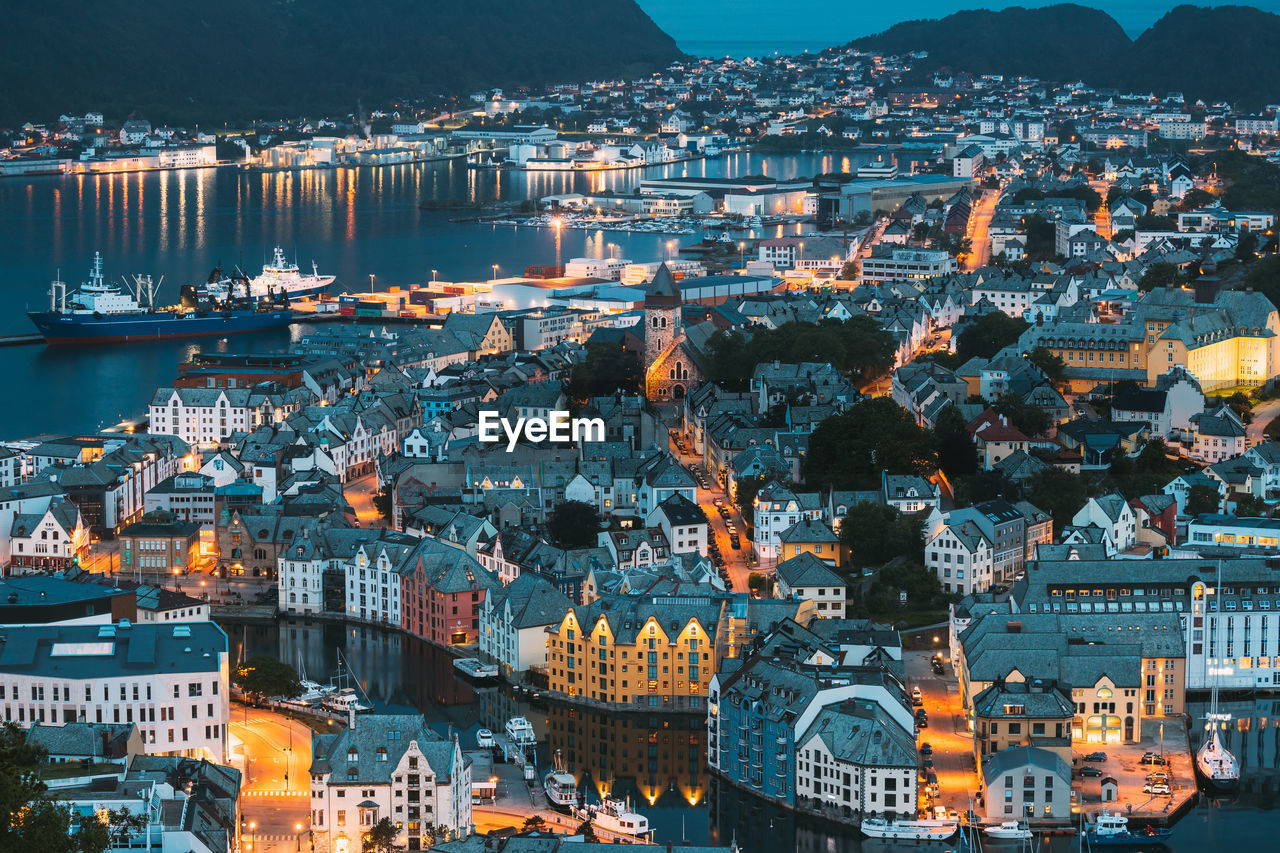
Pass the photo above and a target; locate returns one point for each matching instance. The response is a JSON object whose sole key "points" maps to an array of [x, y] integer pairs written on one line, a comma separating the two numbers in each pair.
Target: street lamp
{"points": [[297, 832], [371, 282], [495, 273], [433, 275], [670, 243]]}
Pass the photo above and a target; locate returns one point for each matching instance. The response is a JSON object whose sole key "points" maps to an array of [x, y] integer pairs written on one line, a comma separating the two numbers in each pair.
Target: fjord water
{"points": [[351, 222]]}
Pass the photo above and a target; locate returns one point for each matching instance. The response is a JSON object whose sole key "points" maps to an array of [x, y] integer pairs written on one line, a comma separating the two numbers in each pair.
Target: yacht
{"points": [[616, 816], [345, 700], [313, 692], [1214, 762], [520, 730], [1112, 830], [913, 830], [561, 787], [1009, 830], [484, 739]]}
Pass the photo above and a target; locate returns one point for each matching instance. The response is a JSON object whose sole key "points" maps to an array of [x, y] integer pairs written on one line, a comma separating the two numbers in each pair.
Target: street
{"points": [[274, 754], [978, 230], [359, 493], [1263, 414], [737, 562], [947, 731]]}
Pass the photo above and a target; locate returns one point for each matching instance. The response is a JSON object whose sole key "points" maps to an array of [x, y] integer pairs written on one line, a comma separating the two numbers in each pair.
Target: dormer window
{"points": [[381, 754], [353, 755]]}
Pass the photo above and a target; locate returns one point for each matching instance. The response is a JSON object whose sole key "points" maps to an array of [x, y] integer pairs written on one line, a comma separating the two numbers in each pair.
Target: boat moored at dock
{"points": [[909, 830]]}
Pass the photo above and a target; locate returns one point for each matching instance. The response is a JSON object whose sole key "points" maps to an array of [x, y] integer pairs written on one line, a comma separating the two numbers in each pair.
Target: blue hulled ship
{"points": [[101, 312]]}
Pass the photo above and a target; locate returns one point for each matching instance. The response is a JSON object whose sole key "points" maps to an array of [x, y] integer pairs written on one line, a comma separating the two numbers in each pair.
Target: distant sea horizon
{"points": [[744, 28]]}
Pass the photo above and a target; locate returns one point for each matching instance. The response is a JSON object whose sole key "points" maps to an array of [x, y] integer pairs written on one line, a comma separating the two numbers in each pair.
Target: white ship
{"points": [[1009, 830], [345, 700], [484, 739], [616, 816], [561, 787], [914, 830], [283, 277], [520, 730], [475, 668]]}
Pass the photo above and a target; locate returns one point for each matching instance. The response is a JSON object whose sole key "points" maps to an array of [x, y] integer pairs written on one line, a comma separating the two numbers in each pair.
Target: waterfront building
{"points": [[373, 577], [442, 589], [1026, 783], [790, 720], [636, 651], [514, 621], [387, 766], [206, 416], [317, 549], [171, 680]]}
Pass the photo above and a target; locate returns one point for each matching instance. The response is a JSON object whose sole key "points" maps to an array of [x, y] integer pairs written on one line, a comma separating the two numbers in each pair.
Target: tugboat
{"points": [[561, 787], [1112, 830], [100, 312]]}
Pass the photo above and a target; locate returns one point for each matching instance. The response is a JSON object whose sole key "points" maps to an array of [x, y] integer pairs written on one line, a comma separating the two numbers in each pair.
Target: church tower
{"points": [[661, 315]]}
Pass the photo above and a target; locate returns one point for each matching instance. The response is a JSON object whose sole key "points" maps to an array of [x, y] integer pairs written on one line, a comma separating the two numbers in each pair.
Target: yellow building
{"points": [[636, 651]]}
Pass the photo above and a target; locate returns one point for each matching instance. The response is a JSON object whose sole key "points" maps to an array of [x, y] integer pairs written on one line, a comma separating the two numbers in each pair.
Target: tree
{"points": [[921, 585], [607, 369], [574, 524], [1195, 198], [755, 582], [1059, 493], [989, 334], [263, 676], [850, 450], [1240, 403], [1031, 420], [1250, 506], [534, 823], [1203, 500], [382, 503], [849, 271], [746, 488], [876, 534], [381, 837], [587, 830], [1160, 274], [1052, 366]]}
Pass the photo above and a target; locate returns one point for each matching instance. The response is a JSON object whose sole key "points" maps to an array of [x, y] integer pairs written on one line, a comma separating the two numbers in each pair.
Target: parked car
{"points": [[1157, 788], [717, 502], [926, 748], [1154, 758], [916, 697], [1090, 771], [937, 667], [1095, 756]]}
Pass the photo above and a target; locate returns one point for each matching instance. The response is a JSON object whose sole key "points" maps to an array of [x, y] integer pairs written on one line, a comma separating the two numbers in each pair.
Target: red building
{"points": [[440, 597]]}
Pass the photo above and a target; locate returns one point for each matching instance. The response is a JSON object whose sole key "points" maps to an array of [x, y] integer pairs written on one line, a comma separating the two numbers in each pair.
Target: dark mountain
{"points": [[1223, 53], [1055, 42], [237, 59]]}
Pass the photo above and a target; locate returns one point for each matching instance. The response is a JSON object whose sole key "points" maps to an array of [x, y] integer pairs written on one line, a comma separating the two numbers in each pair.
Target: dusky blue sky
{"points": [[699, 26]]}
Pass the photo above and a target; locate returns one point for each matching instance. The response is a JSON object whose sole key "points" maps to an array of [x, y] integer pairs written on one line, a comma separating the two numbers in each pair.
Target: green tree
{"points": [[574, 524], [849, 271], [382, 503], [1195, 198], [746, 488], [989, 334], [755, 582], [587, 830], [957, 454], [262, 676], [534, 823], [1031, 420], [1203, 500], [381, 837], [1053, 367], [876, 534], [921, 585], [1059, 493], [850, 450], [1250, 506], [607, 368], [1160, 274]]}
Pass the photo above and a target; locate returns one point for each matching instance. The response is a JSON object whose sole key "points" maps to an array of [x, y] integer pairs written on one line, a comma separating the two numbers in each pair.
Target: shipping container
{"points": [[347, 310]]}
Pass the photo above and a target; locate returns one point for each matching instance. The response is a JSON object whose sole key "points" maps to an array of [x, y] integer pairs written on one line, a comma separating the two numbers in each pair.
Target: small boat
{"points": [[520, 730], [616, 816], [475, 669], [1009, 830], [1112, 830], [916, 830], [345, 700], [561, 787], [484, 739]]}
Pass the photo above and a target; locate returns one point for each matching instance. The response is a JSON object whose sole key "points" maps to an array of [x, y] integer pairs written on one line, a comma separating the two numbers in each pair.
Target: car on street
{"points": [[717, 501], [1154, 758], [937, 667], [1090, 771], [1095, 756], [735, 543], [916, 698], [926, 748], [1157, 788]]}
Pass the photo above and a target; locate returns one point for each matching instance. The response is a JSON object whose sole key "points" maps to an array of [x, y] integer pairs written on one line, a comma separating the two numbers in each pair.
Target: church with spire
{"points": [[670, 370]]}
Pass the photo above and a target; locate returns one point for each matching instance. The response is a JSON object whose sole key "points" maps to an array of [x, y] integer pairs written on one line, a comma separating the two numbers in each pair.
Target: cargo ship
{"points": [[102, 312]]}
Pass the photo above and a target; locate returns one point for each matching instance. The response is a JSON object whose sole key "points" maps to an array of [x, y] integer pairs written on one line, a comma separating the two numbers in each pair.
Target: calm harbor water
{"points": [[660, 761], [352, 222]]}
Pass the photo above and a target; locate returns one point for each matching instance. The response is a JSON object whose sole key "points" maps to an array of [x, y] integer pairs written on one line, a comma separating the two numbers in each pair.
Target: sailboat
{"points": [[312, 691], [1214, 762], [347, 695]]}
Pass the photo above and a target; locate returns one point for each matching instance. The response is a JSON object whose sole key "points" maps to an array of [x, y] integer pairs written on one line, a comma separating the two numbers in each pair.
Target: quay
{"points": [[21, 340]]}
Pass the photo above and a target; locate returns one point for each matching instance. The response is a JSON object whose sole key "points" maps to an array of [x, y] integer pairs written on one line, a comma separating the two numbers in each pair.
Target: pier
{"points": [[21, 340]]}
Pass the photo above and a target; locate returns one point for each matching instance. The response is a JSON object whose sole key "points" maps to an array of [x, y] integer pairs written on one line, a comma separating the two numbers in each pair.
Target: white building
{"points": [[171, 680], [388, 766], [809, 578], [514, 620], [609, 269], [907, 264], [1113, 514], [683, 522], [777, 508], [962, 556], [201, 415], [373, 577]]}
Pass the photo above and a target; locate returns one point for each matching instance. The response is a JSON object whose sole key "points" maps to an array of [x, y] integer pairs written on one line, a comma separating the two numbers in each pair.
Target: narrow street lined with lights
{"points": [[273, 752]]}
